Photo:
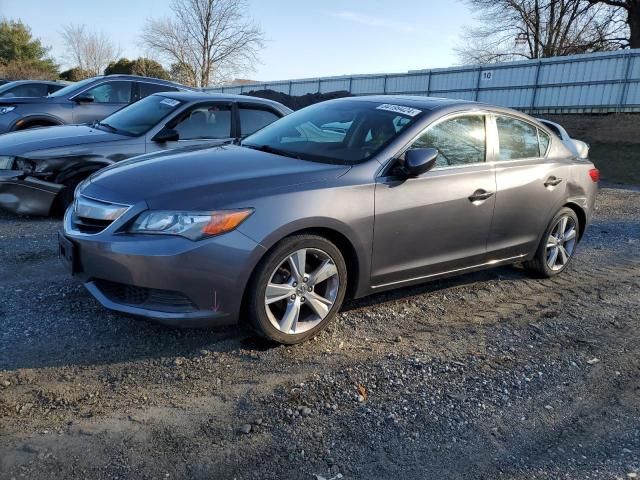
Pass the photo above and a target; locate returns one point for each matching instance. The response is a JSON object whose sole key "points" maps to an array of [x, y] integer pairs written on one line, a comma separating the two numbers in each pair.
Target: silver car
{"points": [[343, 198]]}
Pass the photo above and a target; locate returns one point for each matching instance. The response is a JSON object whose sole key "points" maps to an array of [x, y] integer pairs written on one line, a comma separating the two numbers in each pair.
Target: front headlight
{"points": [[191, 225], [4, 110], [6, 162]]}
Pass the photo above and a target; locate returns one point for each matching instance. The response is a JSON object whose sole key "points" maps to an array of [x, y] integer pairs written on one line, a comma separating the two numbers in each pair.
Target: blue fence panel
{"points": [[604, 82]]}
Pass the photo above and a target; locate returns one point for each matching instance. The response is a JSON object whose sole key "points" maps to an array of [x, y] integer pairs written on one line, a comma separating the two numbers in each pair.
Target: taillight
{"points": [[594, 173]]}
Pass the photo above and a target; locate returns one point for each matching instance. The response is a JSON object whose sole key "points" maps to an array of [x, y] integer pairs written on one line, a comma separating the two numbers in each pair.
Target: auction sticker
{"points": [[170, 102], [410, 112]]}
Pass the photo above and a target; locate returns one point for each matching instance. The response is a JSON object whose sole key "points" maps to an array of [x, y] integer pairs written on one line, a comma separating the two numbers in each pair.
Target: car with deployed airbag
{"points": [[40, 168], [340, 199]]}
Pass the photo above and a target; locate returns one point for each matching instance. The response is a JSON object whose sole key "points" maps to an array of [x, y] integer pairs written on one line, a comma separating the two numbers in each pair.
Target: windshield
{"points": [[8, 86], [69, 89], [142, 116], [336, 132]]}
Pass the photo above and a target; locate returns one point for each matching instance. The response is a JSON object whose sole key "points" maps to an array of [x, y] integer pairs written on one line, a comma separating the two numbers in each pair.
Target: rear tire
{"points": [[297, 289], [557, 246]]}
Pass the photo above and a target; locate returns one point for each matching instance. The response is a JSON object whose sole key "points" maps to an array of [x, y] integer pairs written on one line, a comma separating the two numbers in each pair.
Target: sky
{"points": [[304, 38]]}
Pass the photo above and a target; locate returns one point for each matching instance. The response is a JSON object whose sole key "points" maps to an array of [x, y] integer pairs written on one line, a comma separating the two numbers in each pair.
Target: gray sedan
{"points": [[40, 168], [343, 198]]}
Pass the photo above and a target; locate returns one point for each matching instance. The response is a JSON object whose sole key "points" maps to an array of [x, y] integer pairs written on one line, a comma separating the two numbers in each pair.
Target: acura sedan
{"points": [[40, 168], [344, 198]]}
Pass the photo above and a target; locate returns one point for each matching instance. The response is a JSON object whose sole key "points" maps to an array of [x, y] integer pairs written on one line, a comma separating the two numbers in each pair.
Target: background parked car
{"points": [[30, 88], [577, 147], [40, 168], [82, 102]]}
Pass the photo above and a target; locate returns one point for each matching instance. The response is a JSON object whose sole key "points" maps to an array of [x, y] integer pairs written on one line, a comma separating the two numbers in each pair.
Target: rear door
{"points": [[530, 184], [440, 221], [108, 97], [209, 123]]}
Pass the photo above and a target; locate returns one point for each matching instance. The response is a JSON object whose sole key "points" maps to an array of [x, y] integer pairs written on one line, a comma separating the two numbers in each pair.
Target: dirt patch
{"points": [[297, 102], [490, 375]]}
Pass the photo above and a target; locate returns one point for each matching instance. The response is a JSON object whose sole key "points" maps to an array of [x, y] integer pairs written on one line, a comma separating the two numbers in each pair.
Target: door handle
{"points": [[480, 195], [552, 182]]}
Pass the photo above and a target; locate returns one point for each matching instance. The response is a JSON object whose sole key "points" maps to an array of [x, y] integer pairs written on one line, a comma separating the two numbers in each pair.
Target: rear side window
{"points": [[205, 122], [518, 139], [147, 89], [544, 140], [253, 119], [459, 141]]}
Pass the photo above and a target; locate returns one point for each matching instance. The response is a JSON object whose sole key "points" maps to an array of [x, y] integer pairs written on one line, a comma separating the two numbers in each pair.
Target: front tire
{"points": [[297, 289], [557, 246]]}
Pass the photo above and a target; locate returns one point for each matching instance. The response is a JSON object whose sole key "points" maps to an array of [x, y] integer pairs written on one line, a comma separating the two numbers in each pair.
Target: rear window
{"points": [[518, 139]]}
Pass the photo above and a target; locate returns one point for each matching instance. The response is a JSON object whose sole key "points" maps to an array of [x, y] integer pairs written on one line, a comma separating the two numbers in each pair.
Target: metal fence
{"points": [[589, 83]]}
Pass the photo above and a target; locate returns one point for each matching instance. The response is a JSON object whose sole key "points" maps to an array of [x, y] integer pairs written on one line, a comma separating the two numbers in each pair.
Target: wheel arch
{"points": [[582, 217], [26, 122], [338, 238]]}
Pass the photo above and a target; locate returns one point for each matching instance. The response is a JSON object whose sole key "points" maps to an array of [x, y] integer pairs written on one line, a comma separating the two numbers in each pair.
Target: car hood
{"points": [[30, 142], [204, 179]]}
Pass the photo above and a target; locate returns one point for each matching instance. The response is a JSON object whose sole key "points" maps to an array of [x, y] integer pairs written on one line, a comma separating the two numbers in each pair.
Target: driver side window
{"points": [[205, 122], [459, 141], [111, 92]]}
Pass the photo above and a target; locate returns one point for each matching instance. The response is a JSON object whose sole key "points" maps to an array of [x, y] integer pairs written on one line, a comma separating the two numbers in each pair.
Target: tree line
{"points": [[207, 42], [204, 42]]}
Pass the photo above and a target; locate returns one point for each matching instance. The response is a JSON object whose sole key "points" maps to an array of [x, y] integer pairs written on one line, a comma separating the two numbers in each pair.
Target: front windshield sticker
{"points": [[170, 102], [411, 112]]}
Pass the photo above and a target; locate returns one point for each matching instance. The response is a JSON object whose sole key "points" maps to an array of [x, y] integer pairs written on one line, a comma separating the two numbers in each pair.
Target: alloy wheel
{"points": [[301, 290], [561, 243]]}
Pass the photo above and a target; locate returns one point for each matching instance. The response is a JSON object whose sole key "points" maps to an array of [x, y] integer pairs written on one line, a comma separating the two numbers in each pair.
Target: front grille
{"points": [[148, 298], [93, 216], [89, 225]]}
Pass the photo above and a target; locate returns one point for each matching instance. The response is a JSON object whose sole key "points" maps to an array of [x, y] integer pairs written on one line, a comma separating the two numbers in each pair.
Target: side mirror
{"points": [[419, 160], [84, 98], [166, 135]]}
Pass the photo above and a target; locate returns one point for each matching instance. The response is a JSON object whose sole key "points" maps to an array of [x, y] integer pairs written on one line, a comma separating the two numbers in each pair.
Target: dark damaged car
{"points": [[40, 168]]}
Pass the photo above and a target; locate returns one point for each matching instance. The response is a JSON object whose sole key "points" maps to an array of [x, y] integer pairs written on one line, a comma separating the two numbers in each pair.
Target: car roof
{"points": [[194, 96], [138, 78], [46, 82], [427, 103]]}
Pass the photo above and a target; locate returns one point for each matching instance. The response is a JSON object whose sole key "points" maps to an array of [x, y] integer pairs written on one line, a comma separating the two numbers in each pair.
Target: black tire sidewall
{"points": [[261, 277]]}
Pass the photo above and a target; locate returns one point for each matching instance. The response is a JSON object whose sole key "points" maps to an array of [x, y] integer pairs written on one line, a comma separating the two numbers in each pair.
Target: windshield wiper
{"points": [[275, 151], [106, 125]]}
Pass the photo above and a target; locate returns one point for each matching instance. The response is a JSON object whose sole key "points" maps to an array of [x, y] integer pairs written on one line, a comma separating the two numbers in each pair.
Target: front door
{"points": [[108, 97], [440, 221]]}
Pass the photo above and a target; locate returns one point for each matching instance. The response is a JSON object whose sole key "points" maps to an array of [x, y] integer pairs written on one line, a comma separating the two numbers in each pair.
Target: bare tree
{"points": [[90, 52], [513, 29], [632, 10], [206, 41]]}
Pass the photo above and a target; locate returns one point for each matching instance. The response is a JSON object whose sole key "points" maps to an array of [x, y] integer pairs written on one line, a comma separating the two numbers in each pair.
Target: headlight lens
{"points": [[6, 162], [191, 225], [27, 166], [4, 110]]}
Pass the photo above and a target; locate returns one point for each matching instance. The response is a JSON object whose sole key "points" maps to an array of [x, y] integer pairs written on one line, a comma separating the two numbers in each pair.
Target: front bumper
{"points": [[26, 195], [169, 279]]}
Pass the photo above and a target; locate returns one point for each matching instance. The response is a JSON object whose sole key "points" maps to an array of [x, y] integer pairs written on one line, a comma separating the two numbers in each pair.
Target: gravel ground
{"points": [[491, 375]]}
